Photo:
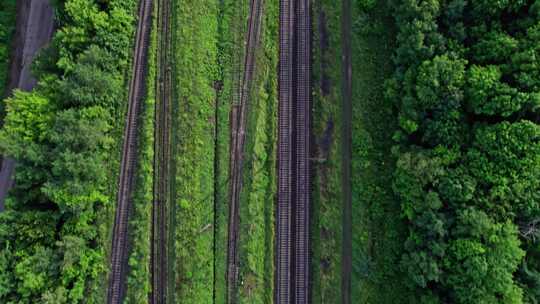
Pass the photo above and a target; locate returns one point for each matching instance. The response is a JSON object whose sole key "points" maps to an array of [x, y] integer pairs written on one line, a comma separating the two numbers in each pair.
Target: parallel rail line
{"points": [[238, 135], [117, 278], [162, 159], [293, 202]]}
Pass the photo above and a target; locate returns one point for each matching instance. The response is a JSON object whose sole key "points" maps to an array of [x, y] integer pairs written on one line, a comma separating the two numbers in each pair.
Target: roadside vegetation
{"points": [[466, 88], [55, 232]]}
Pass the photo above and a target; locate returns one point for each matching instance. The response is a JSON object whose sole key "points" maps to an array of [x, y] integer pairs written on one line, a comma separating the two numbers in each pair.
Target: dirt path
{"points": [[346, 151], [119, 255], [35, 24]]}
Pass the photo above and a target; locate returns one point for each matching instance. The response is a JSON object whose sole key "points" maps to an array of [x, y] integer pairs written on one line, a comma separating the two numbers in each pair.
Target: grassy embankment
{"points": [[378, 232], [138, 281], [195, 41], [257, 199], [326, 240]]}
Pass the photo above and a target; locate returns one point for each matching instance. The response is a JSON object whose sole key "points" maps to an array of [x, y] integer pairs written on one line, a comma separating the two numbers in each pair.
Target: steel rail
{"points": [[119, 253], [293, 202], [302, 171], [285, 133]]}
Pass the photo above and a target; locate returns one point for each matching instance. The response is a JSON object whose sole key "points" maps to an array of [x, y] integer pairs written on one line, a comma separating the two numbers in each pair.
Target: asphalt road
{"points": [[35, 25]]}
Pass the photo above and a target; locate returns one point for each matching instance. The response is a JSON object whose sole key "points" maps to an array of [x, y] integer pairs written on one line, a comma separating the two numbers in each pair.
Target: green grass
{"points": [[326, 240], [257, 200], [378, 232], [195, 42]]}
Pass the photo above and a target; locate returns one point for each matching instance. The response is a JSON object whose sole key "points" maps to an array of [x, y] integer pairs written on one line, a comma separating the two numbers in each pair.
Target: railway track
{"points": [[293, 202], [162, 159], [119, 252], [238, 135]]}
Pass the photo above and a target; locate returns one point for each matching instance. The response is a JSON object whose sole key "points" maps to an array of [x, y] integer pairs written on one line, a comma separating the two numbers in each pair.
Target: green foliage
{"points": [[78, 170], [53, 237], [7, 28], [481, 260], [505, 161], [466, 89], [92, 81], [30, 117], [489, 96], [195, 31]]}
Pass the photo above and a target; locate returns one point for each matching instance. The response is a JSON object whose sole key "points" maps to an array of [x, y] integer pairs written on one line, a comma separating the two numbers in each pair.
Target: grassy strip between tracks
{"points": [[326, 203], [258, 195], [231, 33], [378, 232], [195, 42], [138, 280]]}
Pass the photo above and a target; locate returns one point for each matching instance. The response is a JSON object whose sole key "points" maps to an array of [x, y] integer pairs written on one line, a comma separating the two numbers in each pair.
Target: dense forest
{"points": [[466, 88], [445, 160], [64, 135]]}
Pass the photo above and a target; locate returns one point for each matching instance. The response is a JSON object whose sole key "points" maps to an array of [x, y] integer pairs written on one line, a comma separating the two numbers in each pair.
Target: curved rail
{"points": [[117, 279]]}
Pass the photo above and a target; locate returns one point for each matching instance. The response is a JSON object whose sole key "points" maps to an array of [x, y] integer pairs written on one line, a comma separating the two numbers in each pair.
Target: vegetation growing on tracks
{"points": [[56, 228], [7, 29], [257, 200], [466, 87], [195, 42]]}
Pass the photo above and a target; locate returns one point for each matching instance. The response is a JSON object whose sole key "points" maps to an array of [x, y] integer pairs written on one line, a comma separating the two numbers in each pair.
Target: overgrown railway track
{"points": [[162, 159], [293, 202], [119, 252], [238, 135]]}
